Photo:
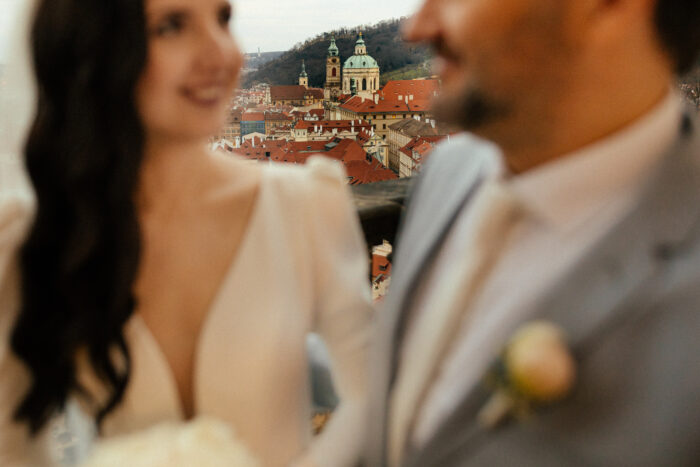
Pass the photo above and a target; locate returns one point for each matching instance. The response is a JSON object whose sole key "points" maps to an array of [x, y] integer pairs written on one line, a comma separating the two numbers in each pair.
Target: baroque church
{"points": [[360, 73]]}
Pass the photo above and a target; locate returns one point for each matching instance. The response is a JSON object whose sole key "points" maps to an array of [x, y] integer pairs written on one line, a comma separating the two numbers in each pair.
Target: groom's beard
{"points": [[470, 109]]}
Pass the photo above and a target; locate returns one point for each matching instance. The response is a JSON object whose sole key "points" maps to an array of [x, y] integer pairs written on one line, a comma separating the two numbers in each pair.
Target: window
{"points": [[335, 72]]}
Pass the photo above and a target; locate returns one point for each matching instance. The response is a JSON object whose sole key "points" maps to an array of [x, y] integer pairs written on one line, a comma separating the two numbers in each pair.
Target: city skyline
{"points": [[293, 21]]}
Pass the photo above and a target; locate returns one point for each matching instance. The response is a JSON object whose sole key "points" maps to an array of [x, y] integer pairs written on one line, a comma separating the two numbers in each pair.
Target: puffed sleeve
{"points": [[343, 310], [16, 447]]}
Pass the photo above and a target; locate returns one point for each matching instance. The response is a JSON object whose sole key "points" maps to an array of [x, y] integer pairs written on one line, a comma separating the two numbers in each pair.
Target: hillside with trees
{"points": [[383, 43]]}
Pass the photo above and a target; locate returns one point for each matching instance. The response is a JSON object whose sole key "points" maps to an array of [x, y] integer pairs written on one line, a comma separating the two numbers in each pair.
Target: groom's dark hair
{"points": [[678, 25]]}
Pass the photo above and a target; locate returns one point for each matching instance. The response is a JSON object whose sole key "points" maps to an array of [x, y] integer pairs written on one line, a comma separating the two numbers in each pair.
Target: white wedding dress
{"points": [[301, 267]]}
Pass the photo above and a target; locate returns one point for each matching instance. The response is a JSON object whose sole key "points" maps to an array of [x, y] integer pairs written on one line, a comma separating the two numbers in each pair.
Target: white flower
{"points": [[203, 442]]}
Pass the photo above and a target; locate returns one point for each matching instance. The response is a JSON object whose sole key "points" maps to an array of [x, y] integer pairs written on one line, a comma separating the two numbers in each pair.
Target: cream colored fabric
{"points": [[430, 332], [302, 267]]}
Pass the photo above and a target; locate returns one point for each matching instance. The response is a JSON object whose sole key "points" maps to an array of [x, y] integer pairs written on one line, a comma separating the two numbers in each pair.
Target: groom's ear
{"points": [[608, 22], [615, 33]]}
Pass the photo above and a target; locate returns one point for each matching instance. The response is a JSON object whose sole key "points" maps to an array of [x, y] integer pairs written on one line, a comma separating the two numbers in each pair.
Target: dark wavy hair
{"points": [[83, 155], [678, 26]]}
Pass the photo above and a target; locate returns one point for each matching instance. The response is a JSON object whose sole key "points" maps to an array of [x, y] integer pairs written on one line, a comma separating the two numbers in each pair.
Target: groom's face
{"points": [[502, 62]]}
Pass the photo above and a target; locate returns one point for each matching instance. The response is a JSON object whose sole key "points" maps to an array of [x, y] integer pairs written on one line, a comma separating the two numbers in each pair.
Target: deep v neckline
{"points": [[152, 342]]}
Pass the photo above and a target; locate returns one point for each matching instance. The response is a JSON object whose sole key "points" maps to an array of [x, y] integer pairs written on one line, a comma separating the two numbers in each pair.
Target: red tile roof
{"points": [[363, 171], [381, 266], [395, 97], [287, 92], [360, 170], [294, 92], [422, 146], [364, 136], [316, 93], [330, 125], [277, 116], [253, 117], [420, 89]]}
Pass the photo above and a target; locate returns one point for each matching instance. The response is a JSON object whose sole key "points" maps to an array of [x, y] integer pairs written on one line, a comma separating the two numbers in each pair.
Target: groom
{"points": [[578, 207]]}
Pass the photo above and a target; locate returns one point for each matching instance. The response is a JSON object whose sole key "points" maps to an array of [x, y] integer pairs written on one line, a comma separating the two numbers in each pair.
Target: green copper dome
{"points": [[360, 61], [333, 49]]}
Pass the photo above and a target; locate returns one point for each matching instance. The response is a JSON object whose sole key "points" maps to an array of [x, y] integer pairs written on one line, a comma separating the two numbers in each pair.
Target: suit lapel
{"points": [[459, 174], [610, 286]]}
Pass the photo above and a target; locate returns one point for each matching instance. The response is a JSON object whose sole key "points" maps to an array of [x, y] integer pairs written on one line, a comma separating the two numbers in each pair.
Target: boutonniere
{"points": [[536, 368]]}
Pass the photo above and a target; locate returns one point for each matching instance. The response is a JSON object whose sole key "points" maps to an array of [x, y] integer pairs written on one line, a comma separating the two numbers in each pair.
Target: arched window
{"points": [[364, 84], [334, 73]]}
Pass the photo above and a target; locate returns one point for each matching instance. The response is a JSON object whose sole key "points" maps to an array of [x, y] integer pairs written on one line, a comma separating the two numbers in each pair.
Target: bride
{"points": [[159, 281]]}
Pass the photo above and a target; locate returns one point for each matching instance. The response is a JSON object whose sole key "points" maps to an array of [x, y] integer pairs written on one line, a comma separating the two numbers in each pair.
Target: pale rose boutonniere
{"points": [[203, 442], [536, 368]]}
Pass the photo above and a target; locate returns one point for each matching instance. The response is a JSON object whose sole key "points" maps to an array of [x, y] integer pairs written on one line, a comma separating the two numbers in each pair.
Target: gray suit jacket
{"points": [[631, 309]]}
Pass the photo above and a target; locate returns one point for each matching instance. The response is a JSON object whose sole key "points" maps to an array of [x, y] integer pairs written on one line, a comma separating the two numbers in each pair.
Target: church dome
{"points": [[360, 61]]}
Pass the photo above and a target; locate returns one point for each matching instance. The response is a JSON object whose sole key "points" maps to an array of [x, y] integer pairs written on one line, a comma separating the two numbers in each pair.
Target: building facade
{"points": [[252, 122]]}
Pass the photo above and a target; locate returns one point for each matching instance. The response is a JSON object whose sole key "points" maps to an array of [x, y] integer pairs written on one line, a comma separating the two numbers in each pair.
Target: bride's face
{"points": [[191, 71]]}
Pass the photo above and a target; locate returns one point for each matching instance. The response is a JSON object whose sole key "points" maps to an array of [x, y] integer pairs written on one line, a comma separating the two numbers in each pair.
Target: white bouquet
{"points": [[203, 442]]}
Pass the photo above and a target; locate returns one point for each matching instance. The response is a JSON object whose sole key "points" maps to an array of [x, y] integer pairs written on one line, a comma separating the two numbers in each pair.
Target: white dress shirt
{"points": [[569, 204]]}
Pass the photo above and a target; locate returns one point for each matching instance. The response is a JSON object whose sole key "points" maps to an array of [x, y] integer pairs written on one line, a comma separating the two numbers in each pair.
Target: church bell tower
{"points": [[332, 87], [303, 77]]}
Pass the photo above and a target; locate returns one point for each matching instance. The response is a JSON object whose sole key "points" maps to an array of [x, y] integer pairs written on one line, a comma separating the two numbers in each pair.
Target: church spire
{"points": [[303, 77], [360, 47], [333, 49]]}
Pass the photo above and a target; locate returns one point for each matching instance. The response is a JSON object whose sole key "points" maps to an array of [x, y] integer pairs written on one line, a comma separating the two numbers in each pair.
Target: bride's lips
{"points": [[205, 95]]}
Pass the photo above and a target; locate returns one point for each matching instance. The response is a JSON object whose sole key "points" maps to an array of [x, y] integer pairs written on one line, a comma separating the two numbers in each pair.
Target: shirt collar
{"points": [[570, 190]]}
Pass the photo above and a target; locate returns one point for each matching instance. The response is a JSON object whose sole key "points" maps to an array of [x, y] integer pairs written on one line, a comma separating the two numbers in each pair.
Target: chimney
{"points": [[411, 98], [252, 140], [238, 142], [376, 99], [432, 123]]}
